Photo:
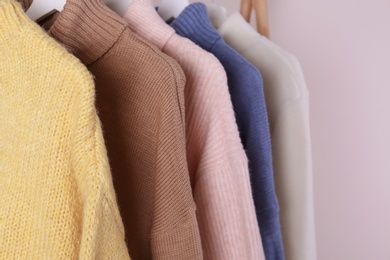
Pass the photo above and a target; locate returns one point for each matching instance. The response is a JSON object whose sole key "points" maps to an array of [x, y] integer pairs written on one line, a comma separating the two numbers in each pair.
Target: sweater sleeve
{"points": [[175, 233], [102, 232], [222, 191], [226, 214], [293, 177]]}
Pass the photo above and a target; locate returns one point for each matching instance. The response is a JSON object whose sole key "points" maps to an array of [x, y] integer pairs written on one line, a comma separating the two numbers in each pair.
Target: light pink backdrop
{"points": [[344, 48]]}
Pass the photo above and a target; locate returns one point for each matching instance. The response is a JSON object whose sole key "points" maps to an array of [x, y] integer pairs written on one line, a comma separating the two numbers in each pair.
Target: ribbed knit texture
{"points": [[140, 99], [245, 86], [57, 197], [217, 163], [288, 108]]}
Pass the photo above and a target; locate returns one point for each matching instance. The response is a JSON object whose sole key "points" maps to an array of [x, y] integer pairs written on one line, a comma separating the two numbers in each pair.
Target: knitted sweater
{"points": [[245, 86], [140, 99], [217, 163], [288, 108], [57, 197]]}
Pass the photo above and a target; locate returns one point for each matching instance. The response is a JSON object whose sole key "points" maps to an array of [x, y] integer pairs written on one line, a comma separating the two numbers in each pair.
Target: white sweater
{"points": [[287, 100]]}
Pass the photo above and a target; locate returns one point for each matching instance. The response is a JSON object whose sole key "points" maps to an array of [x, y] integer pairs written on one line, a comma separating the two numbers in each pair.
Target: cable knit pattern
{"points": [[57, 196], [217, 163], [140, 99]]}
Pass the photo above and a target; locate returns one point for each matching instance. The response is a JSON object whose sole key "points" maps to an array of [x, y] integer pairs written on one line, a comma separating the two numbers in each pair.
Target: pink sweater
{"points": [[217, 162]]}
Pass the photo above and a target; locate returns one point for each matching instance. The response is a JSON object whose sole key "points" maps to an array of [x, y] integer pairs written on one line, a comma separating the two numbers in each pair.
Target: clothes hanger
{"points": [[261, 10], [118, 6], [169, 9], [217, 14], [246, 9], [41, 8], [37, 9]]}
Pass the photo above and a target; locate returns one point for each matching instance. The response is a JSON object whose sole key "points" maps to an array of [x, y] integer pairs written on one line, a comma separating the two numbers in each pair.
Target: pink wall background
{"points": [[344, 49]]}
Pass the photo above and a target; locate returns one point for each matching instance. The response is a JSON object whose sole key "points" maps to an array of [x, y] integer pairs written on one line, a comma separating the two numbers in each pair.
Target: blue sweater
{"points": [[246, 90]]}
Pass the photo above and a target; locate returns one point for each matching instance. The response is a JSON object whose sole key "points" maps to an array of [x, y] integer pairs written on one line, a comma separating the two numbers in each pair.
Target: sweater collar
{"points": [[87, 28], [238, 33], [194, 24], [144, 20]]}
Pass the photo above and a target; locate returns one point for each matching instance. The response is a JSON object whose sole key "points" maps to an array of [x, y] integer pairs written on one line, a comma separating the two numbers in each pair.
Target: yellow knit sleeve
{"points": [[57, 196], [102, 231]]}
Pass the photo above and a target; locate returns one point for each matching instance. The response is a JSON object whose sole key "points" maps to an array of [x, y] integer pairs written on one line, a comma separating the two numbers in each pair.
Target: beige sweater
{"points": [[140, 100], [217, 163]]}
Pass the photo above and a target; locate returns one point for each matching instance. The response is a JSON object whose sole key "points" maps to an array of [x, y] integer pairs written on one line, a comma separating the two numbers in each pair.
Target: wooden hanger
{"points": [[245, 9], [261, 11], [41, 8]]}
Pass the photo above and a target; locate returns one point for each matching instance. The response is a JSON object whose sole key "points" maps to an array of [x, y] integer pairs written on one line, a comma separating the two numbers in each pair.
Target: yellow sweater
{"points": [[56, 194]]}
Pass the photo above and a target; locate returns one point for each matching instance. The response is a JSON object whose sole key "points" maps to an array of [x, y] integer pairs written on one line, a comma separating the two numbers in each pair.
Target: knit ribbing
{"points": [[287, 104], [140, 99], [200, 29], [80, 26], [57, 196], [246, 89], [217, 163], [149, 25]]}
